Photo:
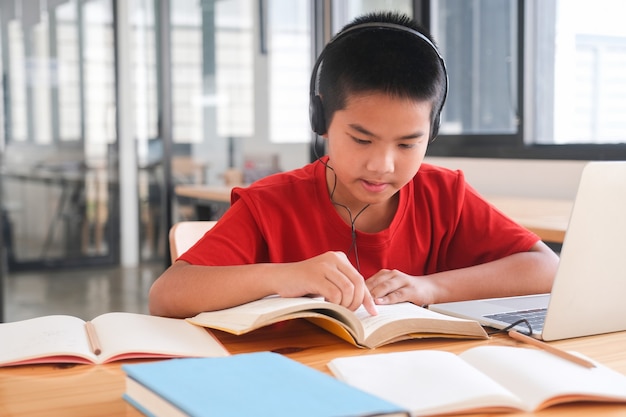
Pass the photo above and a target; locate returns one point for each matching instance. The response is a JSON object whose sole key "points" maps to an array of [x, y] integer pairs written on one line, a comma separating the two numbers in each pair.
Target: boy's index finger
{"points": [[368, 303], [355, 276]]}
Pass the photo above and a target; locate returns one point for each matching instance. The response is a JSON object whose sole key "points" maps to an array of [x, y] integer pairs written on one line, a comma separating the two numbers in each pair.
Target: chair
{"points": [[184, 235]]}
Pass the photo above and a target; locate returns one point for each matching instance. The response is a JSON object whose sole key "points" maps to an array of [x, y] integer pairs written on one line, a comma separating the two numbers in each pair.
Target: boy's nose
{"points": [[381, 161]]}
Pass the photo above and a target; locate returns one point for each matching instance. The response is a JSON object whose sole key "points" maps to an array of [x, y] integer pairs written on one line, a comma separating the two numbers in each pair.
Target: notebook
{"points": [[587, 296]]}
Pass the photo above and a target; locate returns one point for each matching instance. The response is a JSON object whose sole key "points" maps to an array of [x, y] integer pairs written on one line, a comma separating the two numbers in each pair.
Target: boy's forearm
{"points": [[185, 290], [523, 273]]}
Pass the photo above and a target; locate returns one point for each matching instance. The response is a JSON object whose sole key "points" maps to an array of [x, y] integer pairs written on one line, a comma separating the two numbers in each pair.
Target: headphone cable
{"points": [[352, 220]]}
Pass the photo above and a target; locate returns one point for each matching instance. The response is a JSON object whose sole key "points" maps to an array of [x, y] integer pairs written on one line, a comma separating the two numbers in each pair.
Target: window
{"points": [[532, 79], [344, 11], [581, 47], [289, 59], [212, 75], [478, 40], [289, 66]]}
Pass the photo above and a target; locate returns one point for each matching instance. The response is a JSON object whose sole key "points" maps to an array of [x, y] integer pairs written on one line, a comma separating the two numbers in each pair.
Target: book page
{"points": [[44, 337], [407, 318], [424, 381], [542, 379], [391, 312], [269, 310], [129, 335]]}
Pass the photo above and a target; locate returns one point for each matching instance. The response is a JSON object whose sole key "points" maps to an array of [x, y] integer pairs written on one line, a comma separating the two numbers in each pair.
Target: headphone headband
{"points": [[316, 111]]}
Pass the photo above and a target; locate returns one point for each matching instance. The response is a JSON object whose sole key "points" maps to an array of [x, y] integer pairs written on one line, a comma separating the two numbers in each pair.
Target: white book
{"points": [[64, 339], [481, 379]]}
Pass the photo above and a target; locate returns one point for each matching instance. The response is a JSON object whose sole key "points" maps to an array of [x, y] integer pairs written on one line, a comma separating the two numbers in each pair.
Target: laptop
{"points": [[588, 296]]}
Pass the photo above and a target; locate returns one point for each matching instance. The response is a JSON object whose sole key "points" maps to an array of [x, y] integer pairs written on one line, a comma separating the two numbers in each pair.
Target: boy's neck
{"points": [[377, 217]]}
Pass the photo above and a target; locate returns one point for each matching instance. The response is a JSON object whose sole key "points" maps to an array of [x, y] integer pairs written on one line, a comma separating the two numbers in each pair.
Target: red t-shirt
{"points": [[441, 224]]}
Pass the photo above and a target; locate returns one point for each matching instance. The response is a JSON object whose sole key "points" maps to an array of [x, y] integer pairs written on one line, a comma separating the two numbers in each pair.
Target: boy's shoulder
{"points": [[438, 185], [307, 173], [429, 172], [291, 182]]}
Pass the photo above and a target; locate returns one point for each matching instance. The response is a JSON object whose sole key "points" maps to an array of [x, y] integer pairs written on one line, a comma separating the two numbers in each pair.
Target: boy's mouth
{"points": [[375, 187]]}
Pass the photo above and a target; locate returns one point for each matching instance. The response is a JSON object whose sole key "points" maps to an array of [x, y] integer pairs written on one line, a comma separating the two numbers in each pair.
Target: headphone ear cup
{"points": [[316, 115], [435, 128]]}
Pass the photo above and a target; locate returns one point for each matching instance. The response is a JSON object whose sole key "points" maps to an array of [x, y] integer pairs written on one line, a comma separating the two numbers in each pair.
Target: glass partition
{"points": [[59, 200]]}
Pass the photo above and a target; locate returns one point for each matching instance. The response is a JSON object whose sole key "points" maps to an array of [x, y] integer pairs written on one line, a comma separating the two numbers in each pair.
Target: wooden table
{"points": [[96, 390], [218, 193], [546, 217], [209, 201]]}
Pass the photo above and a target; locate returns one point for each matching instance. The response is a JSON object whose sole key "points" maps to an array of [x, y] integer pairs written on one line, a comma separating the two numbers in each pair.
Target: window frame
{"points": [[513, 145]]}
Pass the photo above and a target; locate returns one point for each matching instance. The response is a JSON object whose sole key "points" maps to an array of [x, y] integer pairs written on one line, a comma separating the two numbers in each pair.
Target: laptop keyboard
{"points": [[535, 317]]}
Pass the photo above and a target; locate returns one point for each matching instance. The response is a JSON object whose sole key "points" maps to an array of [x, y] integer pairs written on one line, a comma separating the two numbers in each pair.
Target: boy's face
{"points": [[376, 145]]}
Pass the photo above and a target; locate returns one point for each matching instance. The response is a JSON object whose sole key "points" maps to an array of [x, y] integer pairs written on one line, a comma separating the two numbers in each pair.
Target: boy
{"points": [[368, 223]]}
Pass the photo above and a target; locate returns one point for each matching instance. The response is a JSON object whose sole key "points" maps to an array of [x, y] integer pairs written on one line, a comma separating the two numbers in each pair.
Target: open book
{"points": [[59, 339], [481, 379], [393, 323]]}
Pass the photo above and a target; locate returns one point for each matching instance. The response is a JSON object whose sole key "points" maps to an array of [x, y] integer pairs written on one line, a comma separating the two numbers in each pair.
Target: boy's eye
{"points": [[360, 141], [407, 145]]}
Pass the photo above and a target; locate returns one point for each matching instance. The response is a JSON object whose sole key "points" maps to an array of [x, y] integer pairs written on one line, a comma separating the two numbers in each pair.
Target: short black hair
{"points": [[381, 59]]}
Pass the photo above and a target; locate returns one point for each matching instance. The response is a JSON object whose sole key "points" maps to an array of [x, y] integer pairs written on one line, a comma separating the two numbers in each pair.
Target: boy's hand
{"points": [[330, 275], [392, 286]]}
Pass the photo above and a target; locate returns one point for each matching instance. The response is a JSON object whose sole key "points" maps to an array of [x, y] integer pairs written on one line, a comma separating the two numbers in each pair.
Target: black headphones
{"points": [[316, 109]]}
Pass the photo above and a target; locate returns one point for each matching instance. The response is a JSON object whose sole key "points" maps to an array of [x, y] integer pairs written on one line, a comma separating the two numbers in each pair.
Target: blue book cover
{"points": [[252, 384]]}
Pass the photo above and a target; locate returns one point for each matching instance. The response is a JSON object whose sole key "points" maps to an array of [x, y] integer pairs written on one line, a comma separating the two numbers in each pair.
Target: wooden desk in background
{"points": [[96, 390], [205, 192], [548, 218], [209, 201]]}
